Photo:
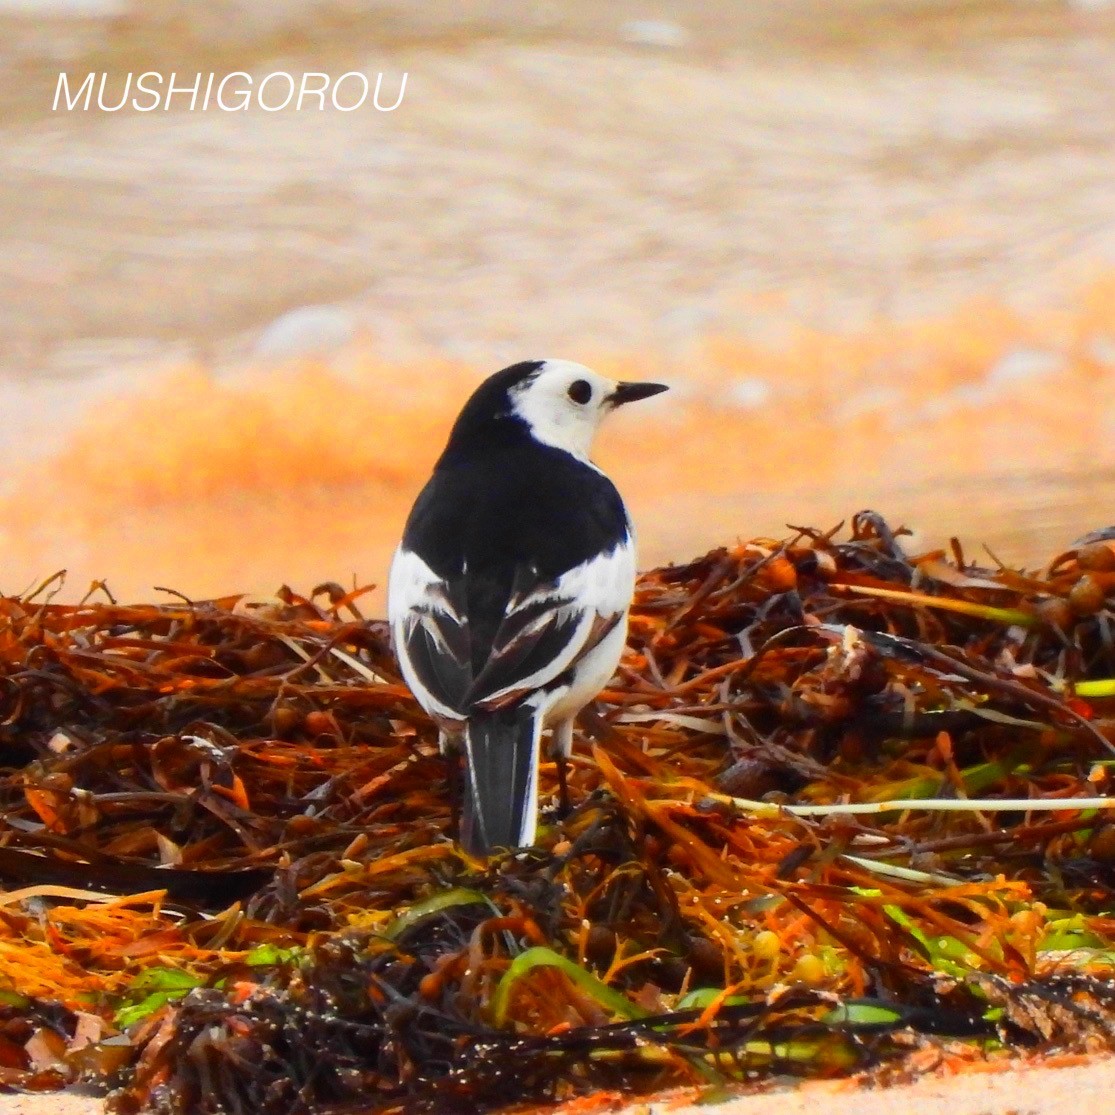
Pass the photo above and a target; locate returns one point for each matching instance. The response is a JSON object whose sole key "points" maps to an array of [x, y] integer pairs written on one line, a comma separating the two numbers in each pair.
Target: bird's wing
{"points": [[431, 634], [544, 629], [547, 628]]}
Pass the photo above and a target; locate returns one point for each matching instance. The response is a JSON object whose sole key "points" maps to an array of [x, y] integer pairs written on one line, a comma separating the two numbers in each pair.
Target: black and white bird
{"points": [[509, 592]]}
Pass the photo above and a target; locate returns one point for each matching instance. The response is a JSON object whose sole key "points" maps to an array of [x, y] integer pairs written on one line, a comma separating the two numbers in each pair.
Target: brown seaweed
{"points": [[842, 807]]}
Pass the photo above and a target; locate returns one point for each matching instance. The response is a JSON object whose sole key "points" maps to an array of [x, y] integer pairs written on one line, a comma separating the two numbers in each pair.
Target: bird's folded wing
{"points": [[545, 630], [431, 634], [538, 654]]}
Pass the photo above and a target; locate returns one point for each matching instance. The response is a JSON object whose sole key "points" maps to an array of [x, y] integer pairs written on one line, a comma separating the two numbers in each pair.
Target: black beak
{"points": [[633, 392]]}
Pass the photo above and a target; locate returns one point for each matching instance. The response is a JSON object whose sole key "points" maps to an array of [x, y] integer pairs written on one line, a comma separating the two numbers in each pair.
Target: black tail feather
{"points": [[501, 772]]}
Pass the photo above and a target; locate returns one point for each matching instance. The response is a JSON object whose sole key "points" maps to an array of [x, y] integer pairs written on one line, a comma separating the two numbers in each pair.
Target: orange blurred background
{"points": [[872, 246]]}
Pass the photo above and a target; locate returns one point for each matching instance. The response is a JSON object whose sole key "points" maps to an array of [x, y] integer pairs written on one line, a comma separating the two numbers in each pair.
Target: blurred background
{"points": [[870, 242]]}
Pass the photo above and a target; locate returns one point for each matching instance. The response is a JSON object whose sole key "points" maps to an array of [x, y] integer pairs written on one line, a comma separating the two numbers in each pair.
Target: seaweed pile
{"points": [[842, 809]]}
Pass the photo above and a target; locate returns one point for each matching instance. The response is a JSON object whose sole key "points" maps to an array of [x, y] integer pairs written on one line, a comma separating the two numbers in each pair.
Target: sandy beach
{"points": [[1027, 1090], [1023, 1091]]}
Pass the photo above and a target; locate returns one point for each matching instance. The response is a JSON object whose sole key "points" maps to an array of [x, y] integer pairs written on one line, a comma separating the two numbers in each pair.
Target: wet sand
{"points": [[554, 182], [1024, 1091]]}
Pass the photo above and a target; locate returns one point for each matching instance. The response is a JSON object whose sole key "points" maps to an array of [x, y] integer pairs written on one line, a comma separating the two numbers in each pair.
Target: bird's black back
{"points": [[531, 505]]}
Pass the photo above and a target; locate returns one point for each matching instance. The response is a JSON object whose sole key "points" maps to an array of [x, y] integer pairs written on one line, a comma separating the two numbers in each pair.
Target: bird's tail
{"points": [[501, 792]]}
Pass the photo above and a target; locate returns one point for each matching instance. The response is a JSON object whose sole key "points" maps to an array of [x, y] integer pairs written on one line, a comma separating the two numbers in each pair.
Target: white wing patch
{"points": [[413, 591], [409, 585], [605, 584]]}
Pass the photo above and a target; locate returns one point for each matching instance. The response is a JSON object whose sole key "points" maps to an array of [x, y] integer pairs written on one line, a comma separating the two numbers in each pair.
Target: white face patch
{"points": [[563, 405]]}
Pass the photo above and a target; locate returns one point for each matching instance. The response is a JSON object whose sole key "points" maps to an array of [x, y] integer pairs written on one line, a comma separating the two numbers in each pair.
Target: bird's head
{"points": [[563, 403], [558, 402]]}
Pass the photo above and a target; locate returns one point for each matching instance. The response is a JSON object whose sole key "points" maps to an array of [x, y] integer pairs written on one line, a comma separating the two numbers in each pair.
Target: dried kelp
{"points": [[841, 807]]}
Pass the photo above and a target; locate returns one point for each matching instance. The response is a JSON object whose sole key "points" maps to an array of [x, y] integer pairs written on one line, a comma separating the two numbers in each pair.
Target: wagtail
{"points": [[509, 592]]}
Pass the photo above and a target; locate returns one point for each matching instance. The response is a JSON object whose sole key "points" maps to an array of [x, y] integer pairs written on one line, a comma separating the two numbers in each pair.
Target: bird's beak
{"points": [[633, 392]]}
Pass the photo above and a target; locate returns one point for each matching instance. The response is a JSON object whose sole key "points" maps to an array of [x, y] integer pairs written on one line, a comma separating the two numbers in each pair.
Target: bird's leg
{"points": [[560, 747], [563, 787], [455, 796], [451, 749]]}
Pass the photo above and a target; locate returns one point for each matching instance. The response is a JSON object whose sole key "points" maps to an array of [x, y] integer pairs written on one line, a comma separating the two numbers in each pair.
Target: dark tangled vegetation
{"points": [[844, 809]]}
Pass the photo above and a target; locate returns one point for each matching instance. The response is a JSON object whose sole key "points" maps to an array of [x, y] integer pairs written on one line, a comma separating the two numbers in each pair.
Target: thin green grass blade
{"points": [[540, 957]]}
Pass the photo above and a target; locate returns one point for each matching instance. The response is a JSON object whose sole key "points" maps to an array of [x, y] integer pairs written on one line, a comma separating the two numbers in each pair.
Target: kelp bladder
{"points": [[842, 809]]}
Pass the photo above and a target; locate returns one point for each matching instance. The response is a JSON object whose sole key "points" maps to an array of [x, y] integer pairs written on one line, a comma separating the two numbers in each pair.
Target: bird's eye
{"points": [[580, 391]]}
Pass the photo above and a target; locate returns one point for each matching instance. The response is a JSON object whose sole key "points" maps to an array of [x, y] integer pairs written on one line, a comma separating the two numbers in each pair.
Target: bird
{"points": [[509, 592]]}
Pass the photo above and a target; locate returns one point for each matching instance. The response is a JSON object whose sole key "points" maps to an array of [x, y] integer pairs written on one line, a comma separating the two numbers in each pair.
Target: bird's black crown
{"points": [[487, 418]]}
